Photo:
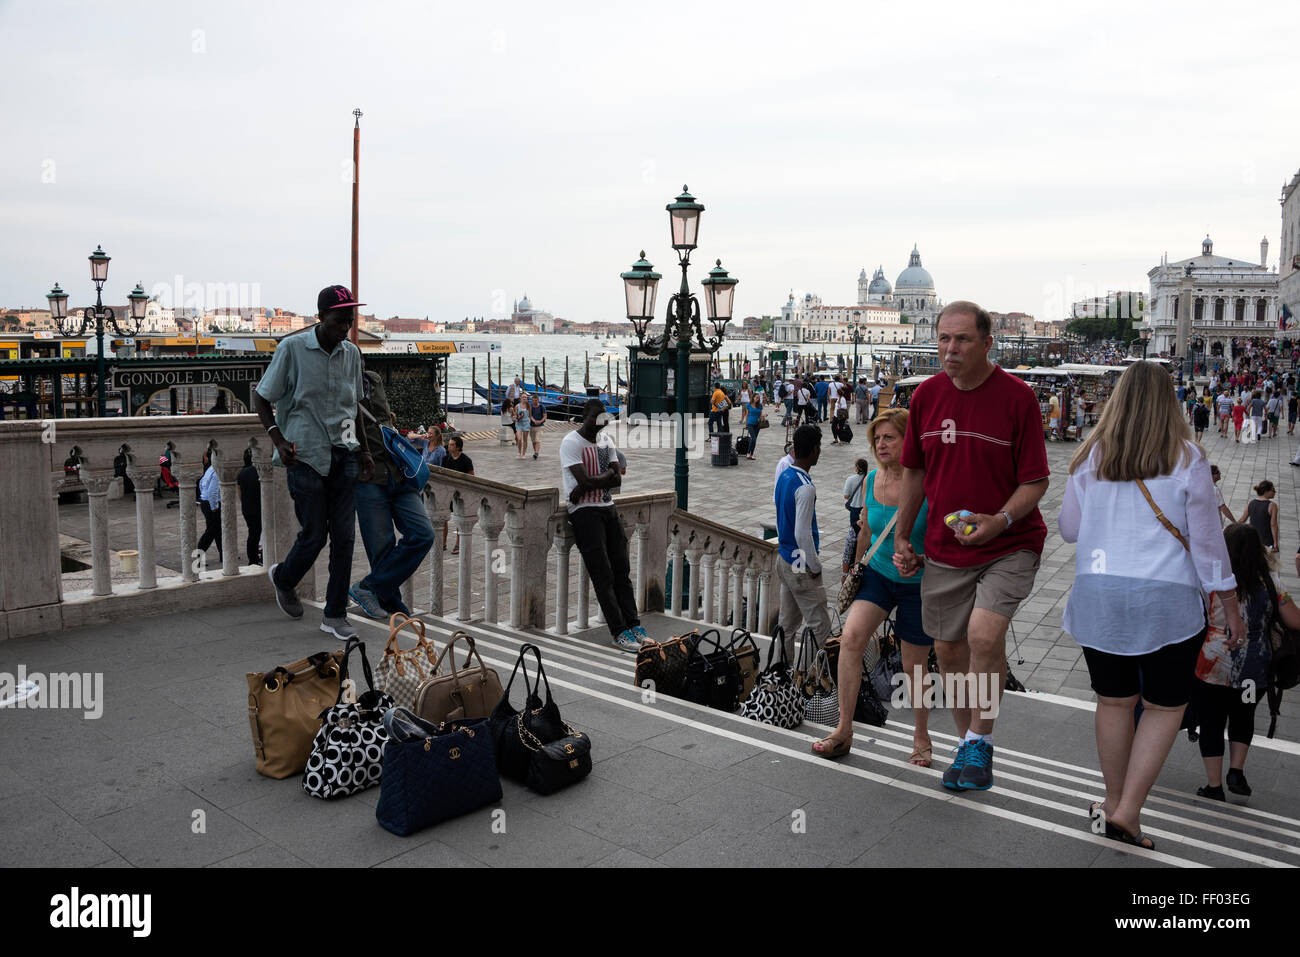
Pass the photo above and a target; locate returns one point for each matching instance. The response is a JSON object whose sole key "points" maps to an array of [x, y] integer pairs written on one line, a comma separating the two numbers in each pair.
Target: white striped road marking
{"points": [[928, 792], [564, 649]]}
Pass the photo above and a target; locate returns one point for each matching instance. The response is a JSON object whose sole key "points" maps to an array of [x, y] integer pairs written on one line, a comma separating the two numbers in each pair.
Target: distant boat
{"points": [[557, 403]]}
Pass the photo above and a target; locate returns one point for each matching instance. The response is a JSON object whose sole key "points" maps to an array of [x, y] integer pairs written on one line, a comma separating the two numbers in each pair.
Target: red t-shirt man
{"points": [[976, 447]]}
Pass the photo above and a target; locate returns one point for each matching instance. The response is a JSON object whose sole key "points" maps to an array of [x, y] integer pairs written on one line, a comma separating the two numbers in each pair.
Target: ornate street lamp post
{"points": [[58, 300], [855, 327], [682, 330]]}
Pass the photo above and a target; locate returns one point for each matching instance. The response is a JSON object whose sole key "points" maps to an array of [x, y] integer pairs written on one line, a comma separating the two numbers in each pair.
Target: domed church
{"points": [[912, 294]]}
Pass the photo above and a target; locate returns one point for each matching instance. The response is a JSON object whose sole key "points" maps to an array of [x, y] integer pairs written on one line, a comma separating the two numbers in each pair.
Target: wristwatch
{"points": [[1007, 515]]}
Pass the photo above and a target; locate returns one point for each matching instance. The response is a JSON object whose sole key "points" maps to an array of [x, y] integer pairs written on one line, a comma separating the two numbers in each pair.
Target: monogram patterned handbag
{"points": [[664, 663], [348, 751], [401, 671]]}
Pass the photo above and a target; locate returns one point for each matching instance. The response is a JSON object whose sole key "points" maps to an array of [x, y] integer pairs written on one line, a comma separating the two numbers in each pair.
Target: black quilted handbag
{"points": [[556, 765], [433, 772], [347, 753], [712, 677], [775, 700]]}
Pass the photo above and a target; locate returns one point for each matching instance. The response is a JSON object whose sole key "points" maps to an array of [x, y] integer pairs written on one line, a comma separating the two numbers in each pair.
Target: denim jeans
{"points": [[325, 506], [383, 508]]}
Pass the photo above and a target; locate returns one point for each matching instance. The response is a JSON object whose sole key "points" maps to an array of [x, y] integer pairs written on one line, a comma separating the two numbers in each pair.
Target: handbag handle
{"points": [[1169, 526], [778, 638], [394, 628], [705, 636], [469, 655], [521, 664], [354, 644], [806, 642], [738, 638]]}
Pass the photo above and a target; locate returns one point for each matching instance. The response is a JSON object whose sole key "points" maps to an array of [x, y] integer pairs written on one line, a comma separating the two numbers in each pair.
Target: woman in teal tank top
{"points": [[883, 590]]}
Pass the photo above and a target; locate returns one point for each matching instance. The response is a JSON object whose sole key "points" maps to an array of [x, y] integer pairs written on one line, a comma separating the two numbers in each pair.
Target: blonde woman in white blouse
{"points": [[1137, 605]]}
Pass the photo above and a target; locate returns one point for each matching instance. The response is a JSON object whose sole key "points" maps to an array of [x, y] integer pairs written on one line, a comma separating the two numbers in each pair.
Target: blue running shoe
{"points": [[627, 641], [368, 601], [640, 633], [953, 774], [977, 773]]}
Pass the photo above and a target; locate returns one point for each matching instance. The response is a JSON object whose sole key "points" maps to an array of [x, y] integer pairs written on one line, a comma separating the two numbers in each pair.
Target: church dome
{"points": [[525, 305], [1207, 245], [914, 276], [879, 284]]}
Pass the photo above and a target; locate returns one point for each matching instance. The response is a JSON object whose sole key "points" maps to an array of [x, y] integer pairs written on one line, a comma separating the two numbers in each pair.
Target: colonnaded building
{"points": [[904, 313], [1200, 304]]}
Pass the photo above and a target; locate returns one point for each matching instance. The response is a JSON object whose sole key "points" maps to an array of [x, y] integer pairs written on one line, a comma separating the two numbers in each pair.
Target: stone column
{"points": [[563, 540], [678, 556], [516, 534], [266, 493], [102, 571], [584, 592], [751, 586], [438, 518], [766, 576], [724, 586], [692, 610], [738, 594], [707, 563], [642, 563], [144, 534], [227, 473], [491, 521], [464, 524], [187, 518]]}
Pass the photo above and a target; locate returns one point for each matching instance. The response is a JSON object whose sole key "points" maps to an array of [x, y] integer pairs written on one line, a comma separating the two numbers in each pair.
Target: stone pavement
{"points": [[1040, 653], [673, 783]]}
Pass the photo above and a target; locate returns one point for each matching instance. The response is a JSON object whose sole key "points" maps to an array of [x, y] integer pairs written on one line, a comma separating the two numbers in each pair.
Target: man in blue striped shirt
{"points": [[803, 597]]}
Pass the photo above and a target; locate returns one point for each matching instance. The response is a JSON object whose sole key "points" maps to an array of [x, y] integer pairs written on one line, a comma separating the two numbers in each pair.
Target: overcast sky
{"points": [[1037, 153]]}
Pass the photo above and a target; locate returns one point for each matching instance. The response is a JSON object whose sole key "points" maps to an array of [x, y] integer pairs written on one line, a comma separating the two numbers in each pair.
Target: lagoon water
{"points": [[579, 350]]}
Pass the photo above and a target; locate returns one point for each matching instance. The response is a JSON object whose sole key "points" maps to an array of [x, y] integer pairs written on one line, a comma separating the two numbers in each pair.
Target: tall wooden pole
{"points": [[356, 213]]}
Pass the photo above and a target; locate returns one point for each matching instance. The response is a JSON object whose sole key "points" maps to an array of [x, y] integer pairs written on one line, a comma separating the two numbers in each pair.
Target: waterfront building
{"points": [[1200, 304], [912, 295], [1288, 285], [809, 320], [525, 313]]}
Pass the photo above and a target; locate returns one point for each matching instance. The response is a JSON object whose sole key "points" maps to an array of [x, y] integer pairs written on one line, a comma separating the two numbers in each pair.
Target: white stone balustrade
{"points": [[32, 454]]}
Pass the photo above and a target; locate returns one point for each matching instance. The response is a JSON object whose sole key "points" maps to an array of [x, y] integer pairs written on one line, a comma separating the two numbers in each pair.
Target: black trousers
{"points": [[212, 528], [1219, 707], [599, 536], [253, 547]]}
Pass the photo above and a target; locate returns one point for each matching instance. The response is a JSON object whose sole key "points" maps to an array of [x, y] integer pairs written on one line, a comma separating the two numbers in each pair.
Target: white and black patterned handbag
{"points": [[814, 681], [347, 754], [775, 700]]}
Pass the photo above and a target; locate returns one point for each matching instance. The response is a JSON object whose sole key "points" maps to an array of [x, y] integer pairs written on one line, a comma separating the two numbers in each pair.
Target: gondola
{"points": [[557, 403]]}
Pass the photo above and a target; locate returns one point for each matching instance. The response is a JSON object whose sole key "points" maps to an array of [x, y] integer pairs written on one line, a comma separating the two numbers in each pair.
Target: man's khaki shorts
{"points": [[949, 594]]}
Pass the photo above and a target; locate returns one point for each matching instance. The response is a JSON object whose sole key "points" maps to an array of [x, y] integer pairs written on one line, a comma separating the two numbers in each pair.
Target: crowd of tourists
{"points": [[1172, 611], [1170, 608]]}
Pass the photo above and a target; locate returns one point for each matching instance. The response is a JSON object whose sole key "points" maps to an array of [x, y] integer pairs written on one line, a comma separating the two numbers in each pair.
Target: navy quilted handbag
{"points": [[433, 772]]}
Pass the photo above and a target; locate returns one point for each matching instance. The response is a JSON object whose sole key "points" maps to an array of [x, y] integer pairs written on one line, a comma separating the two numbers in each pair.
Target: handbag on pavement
{"points": [[433, 772], [284, 707], [712, 677], [775, 700], [401, 671], [534, 745], [815, 682], [748, 657], [452, 695], [664, 663], [347, 754]]}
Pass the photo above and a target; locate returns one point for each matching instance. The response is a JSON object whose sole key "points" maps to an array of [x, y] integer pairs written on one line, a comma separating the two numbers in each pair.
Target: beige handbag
{"points": [[401, 671], [452, 695], [284, 709]]}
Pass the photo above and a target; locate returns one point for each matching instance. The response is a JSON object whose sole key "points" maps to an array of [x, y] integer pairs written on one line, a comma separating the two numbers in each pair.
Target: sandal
{"points": [[921, 757], [836, 749], [1137, 840]]}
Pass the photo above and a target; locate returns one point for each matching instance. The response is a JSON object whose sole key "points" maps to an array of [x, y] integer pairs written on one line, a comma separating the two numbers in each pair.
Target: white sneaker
{"points": [[340, 628], [627, 641]]}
